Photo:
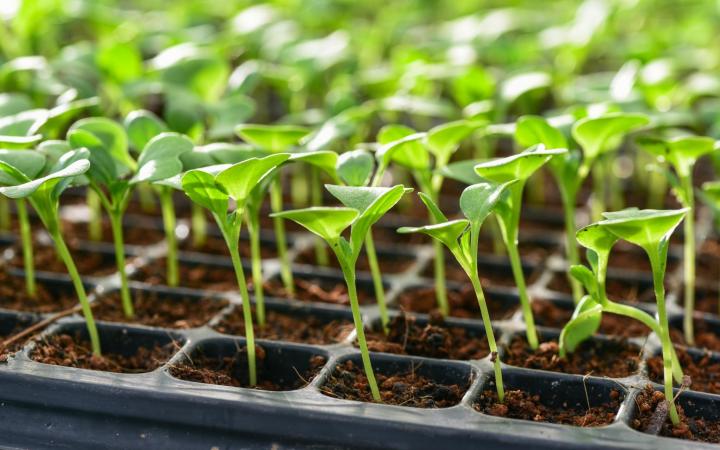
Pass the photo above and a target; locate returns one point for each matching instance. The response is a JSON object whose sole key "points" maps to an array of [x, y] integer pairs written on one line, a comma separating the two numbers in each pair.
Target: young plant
{"points": [[44, 195], [517, 167], [213, 188], [461, 239], [682, 153], [363, 207], [650, 230], [114, 173]]}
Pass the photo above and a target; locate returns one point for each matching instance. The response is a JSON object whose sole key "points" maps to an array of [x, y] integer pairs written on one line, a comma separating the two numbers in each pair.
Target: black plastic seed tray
{"points": [[48, 406]]}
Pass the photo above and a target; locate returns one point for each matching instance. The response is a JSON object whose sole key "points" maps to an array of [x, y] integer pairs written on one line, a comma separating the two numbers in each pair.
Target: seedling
{"points": [[517, 167], [682, 153], [650, 230], [213, 188], [44, 195], [363, 207], [461, 238]]}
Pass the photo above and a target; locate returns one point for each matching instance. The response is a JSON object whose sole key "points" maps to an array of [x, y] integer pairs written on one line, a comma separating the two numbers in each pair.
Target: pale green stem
{"points": [[597, 200], [168, 213], [689, 260], [321, 256], [95, 223], [276, 205], [571, 249], [516, 266], [27, 247], [489, 334], [117, 231], [145, 195], [4, 213], [253, 222], [377, 280], [198, 226]]}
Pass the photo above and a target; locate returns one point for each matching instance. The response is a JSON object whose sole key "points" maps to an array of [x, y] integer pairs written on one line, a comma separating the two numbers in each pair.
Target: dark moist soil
{"points": [[194, 276], [131, 235], [307, 329], [48, 298], [704, 372], [88, 263], [434, 340], [523, 405], [490, 274], [388, 264], [348, 381], [707, 266], [614, 359], [232, 371], [548, 314], [75, 351], [624, 291], [323, 291], [463, 303], [155, 310], [705, 335], [217, 246], [649, 419], [705, 301]]}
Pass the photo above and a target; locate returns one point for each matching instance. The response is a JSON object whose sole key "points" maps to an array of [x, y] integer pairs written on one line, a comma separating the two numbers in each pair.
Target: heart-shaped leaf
{"points": [[533, 130], [594, 134], [647, 228], [67, 168], [111, 136], [326, 222], [202, 189], [160, 158], [401, 144], [478, 200], [240, 179], [141, 126], [443, 140], [273, 138], [355, 167]]}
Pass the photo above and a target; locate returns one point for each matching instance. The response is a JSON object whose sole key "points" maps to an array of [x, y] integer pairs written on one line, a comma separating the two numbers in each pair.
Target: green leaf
{"points": [[53, 150], [240, 179], [67, 168], [682, 152], [122, 61], [586, 278], [533, 130], [202, 189], [446, 232], [597, 238], [519, 85], [326, 222], [599, 134], [160, 158], [355, 168], [435, 211], [644, 227], [324, 160], [443, 140], [22, 130], [227, 113], [401, 144], [204, 75], [462, 171], [20, 166], [516, 167], [14, 103], [273, 138], [478, 200], [584, 323], [141, 126], [111, 139], [219, 153]]}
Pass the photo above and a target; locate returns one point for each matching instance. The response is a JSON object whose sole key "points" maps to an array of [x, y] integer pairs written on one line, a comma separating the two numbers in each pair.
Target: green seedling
{"points": [[682, 153], [517, 167], [275, 139], [44, 195], [650, 230], [364, 207], [461, 238], [598, 137], [141, 126], [213, 188]]}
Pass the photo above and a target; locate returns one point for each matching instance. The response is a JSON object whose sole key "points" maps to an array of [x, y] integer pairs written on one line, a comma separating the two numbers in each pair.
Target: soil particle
{"points": [[434, 340], [324, 291], [75, 351], [549, 314], [155, 310], [463, 302], [705, 335], [388, 264], [651, 408], [233, 371], [614, 358], [348, 381], [279, 326], [195, 276], [87, 262], [523, 405], [48, 298], [704, 371]]}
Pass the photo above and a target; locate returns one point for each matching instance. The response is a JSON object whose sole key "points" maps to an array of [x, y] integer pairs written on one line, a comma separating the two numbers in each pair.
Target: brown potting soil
{"points": [[705, 335], [704, 372], [279, 326], [548, 314], [87, 262], [654, 420], [195, 276], [47, 299], [217, 246], [155, 310], [348, 381], [523, 405], [131, 235], [434, 340], [614, 359], [463, 302], [388, 264], [309, 290], [625, 291]]}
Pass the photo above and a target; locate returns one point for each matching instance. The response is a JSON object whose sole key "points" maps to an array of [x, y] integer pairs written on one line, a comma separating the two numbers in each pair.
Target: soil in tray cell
{"points": [[434, 340], [612, 358], [91, 263], [281, 326], [158, 310], [48, 298], [232, 370], [549, 314], [463, 302], [310, 289], [703, 370], [626, 291], [216, 246], [707, 334], [705, 300], [490, 274], [74, 350], [131, 235], [406, 388], [526, 406], [9, 327], [651, 417], [387, 263], [195, 276]]}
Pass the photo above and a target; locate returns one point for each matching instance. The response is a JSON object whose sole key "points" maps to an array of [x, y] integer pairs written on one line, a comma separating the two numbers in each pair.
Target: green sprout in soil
{"points": [[363, 207]]}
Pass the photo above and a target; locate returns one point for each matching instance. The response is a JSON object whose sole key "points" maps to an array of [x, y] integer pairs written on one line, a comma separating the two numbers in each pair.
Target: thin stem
{"points": [[146, 197], [198, 226], [95, 224], [439, 260], [689, 260], [253, 222], [4, 213], [597, 200], [276, 205], [489, 334], [516, 266], [168, 213], [117, 231], [64, 254], [377, 280], [27, 247], [571, 249], [232, 238], [321, 256]]}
